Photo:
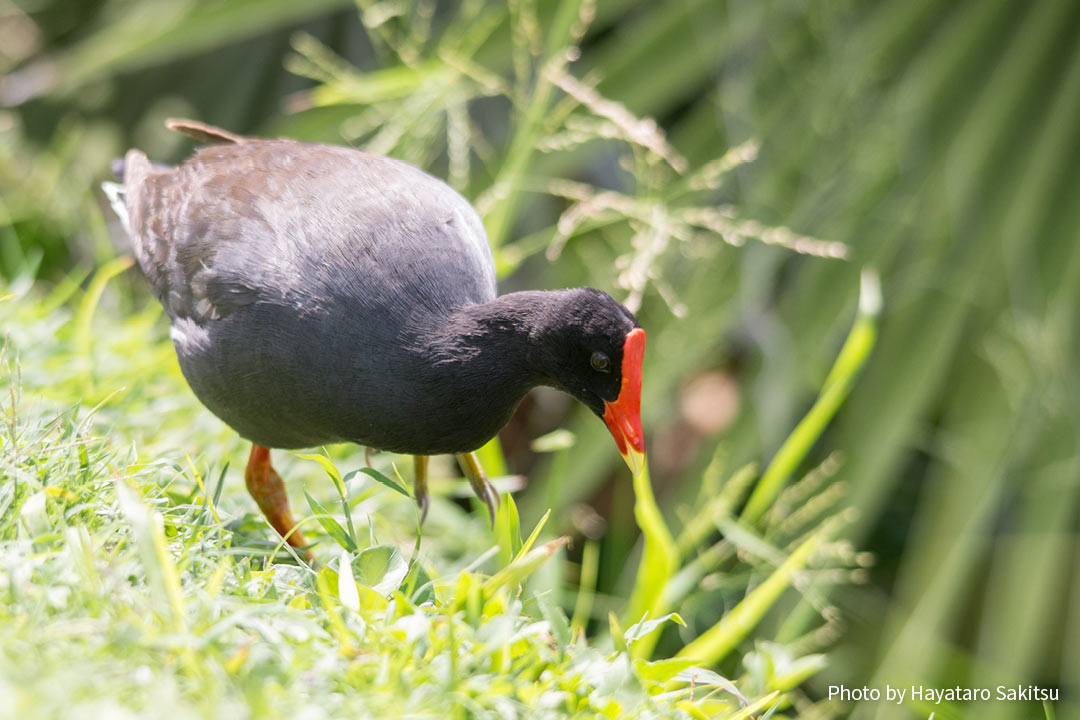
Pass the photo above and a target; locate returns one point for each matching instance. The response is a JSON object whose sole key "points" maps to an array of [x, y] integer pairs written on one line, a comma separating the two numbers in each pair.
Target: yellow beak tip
{"points": [[635, 461]]}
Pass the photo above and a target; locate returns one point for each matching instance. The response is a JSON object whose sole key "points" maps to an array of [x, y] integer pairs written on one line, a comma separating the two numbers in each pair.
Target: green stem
{"points": [[716, 642], [852, 357], [659, 561], [586, 595], [499, 220]]}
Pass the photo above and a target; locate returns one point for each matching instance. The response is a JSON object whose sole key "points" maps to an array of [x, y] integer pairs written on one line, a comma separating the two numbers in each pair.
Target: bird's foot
{"points": [[479, 483], [420, 486]]}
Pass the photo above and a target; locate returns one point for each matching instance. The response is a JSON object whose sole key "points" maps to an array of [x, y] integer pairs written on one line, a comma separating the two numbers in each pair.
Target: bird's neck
{"points": [[478, 361], [498, 346], [502, 337]]}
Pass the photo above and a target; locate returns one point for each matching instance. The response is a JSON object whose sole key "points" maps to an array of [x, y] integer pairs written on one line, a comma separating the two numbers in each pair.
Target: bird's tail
{"points": [[130, 171], [115, 192], [204, 133], [192, 128]]}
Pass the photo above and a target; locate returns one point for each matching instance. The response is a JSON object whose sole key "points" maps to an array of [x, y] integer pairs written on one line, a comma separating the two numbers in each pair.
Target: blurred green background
{"points": [[937, 141]]}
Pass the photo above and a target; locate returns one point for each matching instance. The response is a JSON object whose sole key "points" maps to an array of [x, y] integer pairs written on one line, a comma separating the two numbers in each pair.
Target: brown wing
{"points": [[176, 264], [202, 243], [301, 225]]}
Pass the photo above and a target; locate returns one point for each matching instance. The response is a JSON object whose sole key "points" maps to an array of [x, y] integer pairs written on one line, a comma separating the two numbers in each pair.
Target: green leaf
{"points": [[330, 468], [772, 701], [323, 578], [491, 458], [150, 33], [527, 545], [381, 568], [425, 587], [701, 676], [508, 530], [616, 633], [148, 530], [645, 627], [662, 671], [776, 668], [333, 527], [34, 517], [384, 480], [520, 569], [347, 592], [557, 620]]}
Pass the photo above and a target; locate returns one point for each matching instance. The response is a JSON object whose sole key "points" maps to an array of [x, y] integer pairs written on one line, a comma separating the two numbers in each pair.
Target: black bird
{"points": [[322, 294]]}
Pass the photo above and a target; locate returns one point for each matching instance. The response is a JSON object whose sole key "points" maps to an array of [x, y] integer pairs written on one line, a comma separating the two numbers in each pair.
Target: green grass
{"points": [[932, 140], [136, 578], [123, 519]]}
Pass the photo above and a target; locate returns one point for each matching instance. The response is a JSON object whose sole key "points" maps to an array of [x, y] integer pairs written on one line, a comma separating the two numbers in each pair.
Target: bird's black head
{"points": [[584, 334], [593, 349], [580, 341]]}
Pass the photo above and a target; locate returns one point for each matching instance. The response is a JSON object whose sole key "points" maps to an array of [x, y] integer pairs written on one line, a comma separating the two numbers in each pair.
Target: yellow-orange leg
{"points": [[420, 489], [268, 489], [483, 488]]}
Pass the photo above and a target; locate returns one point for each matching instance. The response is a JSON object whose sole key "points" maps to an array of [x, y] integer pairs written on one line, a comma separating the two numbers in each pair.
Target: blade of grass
{"points": [[508, 530], [85, 317], [384, 480], [527, 545], [518, 571], [659, 560], [838, 383], [148, 528], [586, 590], [333, 527], [714, 644]]}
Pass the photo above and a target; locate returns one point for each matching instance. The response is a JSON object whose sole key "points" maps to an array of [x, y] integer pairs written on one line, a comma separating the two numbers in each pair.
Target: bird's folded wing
{"points": [[185, 233], [305, 226]]}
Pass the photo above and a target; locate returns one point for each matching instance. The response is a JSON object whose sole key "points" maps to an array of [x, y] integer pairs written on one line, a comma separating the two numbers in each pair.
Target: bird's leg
{"points": [[268, 489], [483, 488], [420, 489]]}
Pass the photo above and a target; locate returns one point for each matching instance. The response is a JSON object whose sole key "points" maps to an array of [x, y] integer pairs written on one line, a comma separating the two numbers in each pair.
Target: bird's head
{"points": [[594, 352]]}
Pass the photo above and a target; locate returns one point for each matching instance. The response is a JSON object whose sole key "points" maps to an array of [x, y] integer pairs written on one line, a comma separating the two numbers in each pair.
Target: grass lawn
{"points": [[138, 579]]}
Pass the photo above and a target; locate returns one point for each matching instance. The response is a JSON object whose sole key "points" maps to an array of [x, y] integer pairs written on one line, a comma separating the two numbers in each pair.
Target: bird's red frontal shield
{"points": [[623, 417]]}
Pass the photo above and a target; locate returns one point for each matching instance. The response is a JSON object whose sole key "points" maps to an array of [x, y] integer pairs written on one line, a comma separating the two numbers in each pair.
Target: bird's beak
{"points": [[623, 417]]}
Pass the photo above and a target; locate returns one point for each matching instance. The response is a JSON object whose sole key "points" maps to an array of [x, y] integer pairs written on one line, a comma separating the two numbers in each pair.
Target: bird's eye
{"points": [[600, 362]]}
